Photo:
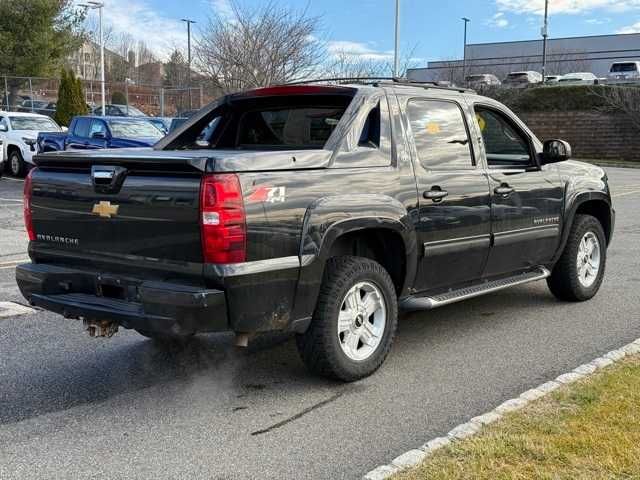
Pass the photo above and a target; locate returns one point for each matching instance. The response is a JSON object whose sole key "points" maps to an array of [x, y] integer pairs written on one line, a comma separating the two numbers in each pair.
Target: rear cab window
{"points": [[277, 118]]}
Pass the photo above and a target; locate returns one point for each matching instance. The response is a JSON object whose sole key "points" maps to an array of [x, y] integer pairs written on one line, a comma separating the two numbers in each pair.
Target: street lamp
{"points": [[396, 57], [545, 34], [464, 54], [189, 22], [99, 6]]}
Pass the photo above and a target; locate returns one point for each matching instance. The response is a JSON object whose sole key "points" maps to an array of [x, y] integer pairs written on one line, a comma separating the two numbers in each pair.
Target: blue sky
{"points": [[365, 27]]}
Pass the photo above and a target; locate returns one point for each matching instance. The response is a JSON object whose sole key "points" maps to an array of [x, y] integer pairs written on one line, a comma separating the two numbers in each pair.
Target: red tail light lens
{"points": [[222, 219], [28, 220]]}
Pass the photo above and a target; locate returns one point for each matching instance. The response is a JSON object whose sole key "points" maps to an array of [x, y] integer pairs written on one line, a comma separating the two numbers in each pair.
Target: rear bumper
{"points": [[133, 303]]}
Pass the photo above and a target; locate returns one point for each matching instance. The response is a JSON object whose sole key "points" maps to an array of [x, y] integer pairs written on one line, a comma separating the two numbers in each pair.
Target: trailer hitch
{"points": [[100, 328]]}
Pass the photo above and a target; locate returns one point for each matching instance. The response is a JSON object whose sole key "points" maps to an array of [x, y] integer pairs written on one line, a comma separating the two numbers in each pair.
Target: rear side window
{"points": [[440, 134], [303, 127], [624, 67], [82, 127]]}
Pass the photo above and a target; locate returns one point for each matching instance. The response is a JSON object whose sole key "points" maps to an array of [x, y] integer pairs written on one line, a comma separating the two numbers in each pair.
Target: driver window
{"points": [[504, 144], [98, 126]]}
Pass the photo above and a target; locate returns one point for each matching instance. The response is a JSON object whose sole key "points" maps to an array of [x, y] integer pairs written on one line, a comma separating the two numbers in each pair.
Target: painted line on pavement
{"points": [[625, 194], [17, 200], [12, 309], [415, 457], [13, 179]]}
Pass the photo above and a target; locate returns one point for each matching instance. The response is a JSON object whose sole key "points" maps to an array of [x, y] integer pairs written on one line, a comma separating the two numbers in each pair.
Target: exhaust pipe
{"points": [[242, 340], [100, 328]]}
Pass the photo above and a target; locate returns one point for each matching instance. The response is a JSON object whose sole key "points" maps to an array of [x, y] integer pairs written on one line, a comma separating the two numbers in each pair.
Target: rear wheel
{"points": [[354, 322], [16, 164], [579, 273]]}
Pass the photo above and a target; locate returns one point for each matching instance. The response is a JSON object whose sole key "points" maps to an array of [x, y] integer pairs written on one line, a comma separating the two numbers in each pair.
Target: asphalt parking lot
{"points": [[76, 407]]}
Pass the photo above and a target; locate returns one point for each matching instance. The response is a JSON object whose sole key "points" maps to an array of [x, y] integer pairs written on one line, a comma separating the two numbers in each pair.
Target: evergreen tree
{"points": [[70, 98], [118, 98]]}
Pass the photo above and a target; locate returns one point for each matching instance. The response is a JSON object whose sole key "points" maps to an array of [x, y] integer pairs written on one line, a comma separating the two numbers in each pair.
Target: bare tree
{"points": [[624, 99], [344, 64], [258, 46]]}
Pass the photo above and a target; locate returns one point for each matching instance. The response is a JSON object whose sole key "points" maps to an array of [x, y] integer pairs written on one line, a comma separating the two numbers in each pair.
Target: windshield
{"points": [[472, 78], [623, 67], [34, 123], [132, 111], [518, 76], [133, 130]]}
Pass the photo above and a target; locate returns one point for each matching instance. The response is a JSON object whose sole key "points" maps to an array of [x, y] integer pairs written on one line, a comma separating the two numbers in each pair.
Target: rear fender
{"points": [[328, 219]]}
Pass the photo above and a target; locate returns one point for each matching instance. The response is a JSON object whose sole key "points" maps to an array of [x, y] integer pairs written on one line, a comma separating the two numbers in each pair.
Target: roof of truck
{"points": [[23, 114]]}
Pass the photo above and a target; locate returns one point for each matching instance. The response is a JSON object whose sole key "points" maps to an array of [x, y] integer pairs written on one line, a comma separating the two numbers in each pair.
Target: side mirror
{"points": [[555, 151], [99, 135], [64, 129], [4, 128]]}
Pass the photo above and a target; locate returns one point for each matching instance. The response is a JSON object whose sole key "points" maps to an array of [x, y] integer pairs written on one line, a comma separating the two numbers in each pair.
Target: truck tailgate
{"points": [[129, 215]]}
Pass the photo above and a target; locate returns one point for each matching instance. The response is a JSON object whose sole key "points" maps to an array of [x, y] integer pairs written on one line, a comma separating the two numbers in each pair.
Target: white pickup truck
{"points": [[18, 134]]}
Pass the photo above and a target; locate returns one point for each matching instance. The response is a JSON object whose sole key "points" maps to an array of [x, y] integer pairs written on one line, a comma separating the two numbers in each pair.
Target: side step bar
{"points": [[427, 303]]}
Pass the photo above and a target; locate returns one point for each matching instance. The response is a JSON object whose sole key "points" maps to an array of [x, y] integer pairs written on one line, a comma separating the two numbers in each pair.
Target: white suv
{"points": [[621, 72], [18, 134]]}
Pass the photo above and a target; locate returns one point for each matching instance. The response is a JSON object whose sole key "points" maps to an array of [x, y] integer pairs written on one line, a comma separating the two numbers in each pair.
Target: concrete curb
{"points": [[414, 457]]}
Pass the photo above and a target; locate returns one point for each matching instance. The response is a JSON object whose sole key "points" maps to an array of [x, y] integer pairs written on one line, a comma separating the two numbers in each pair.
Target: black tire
{"points": [[17, 166], [320, 347], [564, 281]]}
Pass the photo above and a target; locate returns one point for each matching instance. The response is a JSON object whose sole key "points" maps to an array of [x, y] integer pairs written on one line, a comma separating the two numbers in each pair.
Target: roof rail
{"points": [[377, 80]]}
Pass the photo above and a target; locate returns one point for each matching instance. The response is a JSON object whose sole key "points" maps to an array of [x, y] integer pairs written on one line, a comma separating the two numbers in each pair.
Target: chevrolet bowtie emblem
{"points": [[105, 209]]}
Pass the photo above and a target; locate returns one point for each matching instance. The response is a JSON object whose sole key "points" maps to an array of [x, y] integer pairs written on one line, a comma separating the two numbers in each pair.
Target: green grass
{"points": [[588, 430]]}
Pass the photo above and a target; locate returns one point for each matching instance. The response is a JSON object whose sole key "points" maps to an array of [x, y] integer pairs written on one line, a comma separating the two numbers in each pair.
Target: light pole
{"points": [[464, 53], [99, 6], [396, 56], [545, 34], [189, 22]]}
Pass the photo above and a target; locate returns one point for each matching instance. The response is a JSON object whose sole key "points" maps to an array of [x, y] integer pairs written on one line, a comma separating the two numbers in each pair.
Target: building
{"points": [[85, 62], [564, 55]]}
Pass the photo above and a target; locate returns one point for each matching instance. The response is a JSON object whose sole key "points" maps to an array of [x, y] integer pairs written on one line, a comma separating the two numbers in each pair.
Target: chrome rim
{"points": [[588, 259], [15, 164], [362, 320]]}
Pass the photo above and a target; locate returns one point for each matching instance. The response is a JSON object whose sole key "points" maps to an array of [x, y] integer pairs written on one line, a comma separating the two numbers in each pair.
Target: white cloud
{"points": [[357, 49], [222, 8], [498, 21], [566, 6], [598, 21], [635, 28], [142, 21]]}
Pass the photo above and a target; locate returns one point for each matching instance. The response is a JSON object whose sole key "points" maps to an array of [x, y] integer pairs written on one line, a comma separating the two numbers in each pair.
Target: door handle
{"points": [[504, 190], [436, 194]]}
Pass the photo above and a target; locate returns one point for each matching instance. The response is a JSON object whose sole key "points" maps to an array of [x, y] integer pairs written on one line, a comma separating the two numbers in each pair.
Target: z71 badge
{"points": [[268, 195]]}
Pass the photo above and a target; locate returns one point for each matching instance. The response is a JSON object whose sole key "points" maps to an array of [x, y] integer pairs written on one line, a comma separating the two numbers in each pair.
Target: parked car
{"points": [[163, 123], [119, 111], [624, 72], [552, 79], [293, 215], [91, 133], [187, 113], [177, 122], [18, 132], [578, 78], [482, 80], [33, 106], [522, 79]]}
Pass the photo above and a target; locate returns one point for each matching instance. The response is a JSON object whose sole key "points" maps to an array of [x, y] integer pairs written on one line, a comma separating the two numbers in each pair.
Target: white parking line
{"points": [[12, 309], [626, 193], [13, 179], [11, 200]]}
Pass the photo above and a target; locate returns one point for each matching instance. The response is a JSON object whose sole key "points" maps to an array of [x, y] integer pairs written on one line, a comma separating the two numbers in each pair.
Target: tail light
{"points": [[222, 219], [28, 220]]}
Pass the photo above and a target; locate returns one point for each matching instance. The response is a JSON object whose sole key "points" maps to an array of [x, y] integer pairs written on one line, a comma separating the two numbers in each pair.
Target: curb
{"points": [[416, 456]]}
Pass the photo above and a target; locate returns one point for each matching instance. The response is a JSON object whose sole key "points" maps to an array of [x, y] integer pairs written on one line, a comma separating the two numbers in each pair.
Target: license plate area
{"points": [[117, 288]]}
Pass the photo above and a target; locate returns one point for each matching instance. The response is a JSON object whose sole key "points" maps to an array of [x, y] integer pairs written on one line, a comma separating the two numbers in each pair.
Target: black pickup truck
{"points": [[316, 209]]}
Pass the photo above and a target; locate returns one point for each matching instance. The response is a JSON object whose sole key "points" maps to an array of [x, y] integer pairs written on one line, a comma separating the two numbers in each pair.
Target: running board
{"points": [[427, 303]]}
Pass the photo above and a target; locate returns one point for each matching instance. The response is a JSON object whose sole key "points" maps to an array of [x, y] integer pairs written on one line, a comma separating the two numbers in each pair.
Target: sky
{"points": [[430, 29]]}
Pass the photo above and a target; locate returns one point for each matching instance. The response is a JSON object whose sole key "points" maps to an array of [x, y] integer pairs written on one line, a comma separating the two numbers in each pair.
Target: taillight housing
{"points": [[222, 219], [28, 219]]}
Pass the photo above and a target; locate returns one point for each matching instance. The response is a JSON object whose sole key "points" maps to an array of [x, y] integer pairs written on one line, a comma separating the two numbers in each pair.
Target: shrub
{"points": [[118, 98], [70, 98]]}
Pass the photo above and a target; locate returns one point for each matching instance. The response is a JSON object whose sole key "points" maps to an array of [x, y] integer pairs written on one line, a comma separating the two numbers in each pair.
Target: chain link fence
{"points": [[40, 95]]}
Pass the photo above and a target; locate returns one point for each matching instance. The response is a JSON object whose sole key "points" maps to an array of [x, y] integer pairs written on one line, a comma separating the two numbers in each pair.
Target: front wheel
{"points": [[579, 273], [16, 164], [355, 320]]}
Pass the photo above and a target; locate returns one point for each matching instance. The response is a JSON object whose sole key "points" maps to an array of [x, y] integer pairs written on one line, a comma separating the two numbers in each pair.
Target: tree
{"points": [[70, 98], [258, 46], [118, 98], [36, 36], [175, 70]]}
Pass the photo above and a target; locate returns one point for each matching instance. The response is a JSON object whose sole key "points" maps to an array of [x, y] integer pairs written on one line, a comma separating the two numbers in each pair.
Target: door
{"points": [[526, 200], [453, 224]]}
